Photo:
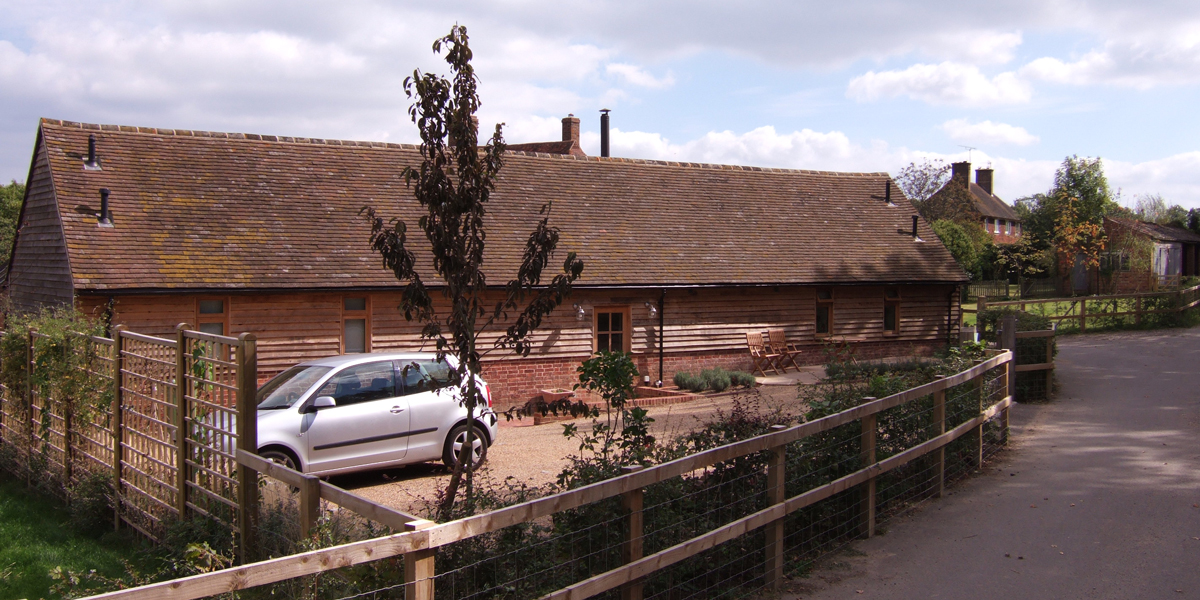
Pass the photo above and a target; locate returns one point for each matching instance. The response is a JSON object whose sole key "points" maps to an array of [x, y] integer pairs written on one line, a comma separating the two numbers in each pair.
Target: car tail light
{"points": [[487, 393]]}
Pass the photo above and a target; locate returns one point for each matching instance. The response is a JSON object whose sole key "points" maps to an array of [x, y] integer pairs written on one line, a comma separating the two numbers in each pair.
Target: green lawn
{"points": [[34, 538]]}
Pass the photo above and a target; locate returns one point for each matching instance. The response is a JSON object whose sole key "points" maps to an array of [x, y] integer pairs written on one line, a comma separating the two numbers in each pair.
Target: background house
{"points": [[996, 217], [1145, 256], [235, 233]]}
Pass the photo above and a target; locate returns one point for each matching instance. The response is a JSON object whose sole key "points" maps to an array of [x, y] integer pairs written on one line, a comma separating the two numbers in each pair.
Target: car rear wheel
{"points": [[454, 444]]}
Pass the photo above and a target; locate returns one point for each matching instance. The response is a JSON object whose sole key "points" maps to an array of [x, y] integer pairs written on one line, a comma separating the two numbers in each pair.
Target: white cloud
{"points": [[1176, 177], [944, 83], [987, 133], [976, 46], [639, 77], [1139, 64]]}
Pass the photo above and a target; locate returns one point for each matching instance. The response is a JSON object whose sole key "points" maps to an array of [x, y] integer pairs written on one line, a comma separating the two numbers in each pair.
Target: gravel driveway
{"points": [[536, 454]]}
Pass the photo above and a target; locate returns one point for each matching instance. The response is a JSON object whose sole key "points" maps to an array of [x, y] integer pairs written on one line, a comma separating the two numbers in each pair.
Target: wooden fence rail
{"points": [[1080, 313], [422, 537]]}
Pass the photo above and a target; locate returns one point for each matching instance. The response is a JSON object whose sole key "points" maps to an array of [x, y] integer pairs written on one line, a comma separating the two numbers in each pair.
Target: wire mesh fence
{"points": [[728, 522]]}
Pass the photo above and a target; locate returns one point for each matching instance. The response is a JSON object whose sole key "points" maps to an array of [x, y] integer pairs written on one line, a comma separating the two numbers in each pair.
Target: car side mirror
{"points": [[321, 402]]}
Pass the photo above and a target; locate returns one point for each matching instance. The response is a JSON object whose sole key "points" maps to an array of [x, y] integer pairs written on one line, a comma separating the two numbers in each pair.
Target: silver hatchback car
{"points": [[368, 411]]}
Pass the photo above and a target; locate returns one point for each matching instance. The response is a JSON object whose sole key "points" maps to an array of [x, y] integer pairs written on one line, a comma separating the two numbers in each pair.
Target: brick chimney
{"points": [[961, 171], [571, 129], [983, 178]]}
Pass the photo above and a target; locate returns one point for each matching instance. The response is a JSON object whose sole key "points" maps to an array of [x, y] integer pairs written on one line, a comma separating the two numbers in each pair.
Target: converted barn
{"points": [[235, 233]]}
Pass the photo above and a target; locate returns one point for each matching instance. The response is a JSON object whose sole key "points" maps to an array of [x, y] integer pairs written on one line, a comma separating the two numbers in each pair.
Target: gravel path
{"points": [[1098, 498], [536, 454]]}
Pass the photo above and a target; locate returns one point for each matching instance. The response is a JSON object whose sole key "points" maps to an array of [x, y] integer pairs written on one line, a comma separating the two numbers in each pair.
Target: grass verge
{"points": [[34, 538]]}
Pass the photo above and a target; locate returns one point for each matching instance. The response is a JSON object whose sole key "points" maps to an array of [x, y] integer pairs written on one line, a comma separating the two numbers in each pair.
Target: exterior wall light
{"points": [[653, 309], [579, 312]]}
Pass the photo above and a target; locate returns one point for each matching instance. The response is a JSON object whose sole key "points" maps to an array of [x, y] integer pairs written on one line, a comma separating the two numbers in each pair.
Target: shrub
{"points": [[91, 502], [686, 381], [742, 379], [716, 379]]}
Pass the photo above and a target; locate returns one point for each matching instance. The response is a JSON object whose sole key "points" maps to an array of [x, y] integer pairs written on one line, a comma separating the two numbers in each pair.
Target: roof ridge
{"points": [[286, 139], [369, 144]]}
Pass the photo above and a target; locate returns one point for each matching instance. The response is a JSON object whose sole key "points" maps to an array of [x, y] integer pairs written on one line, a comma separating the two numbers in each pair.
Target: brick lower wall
{"points": [[516, 381]]}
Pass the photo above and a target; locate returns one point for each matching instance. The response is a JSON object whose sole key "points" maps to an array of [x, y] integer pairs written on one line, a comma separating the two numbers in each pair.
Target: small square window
{"points": [[354, 304], [612, 330], [212, 307]]}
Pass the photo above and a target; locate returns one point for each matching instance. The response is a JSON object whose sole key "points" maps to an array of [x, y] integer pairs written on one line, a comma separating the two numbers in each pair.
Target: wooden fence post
{"points": [[117, 423], [1137, 313], [776, 494], [310, 504], [1049, 359], [980, 306], [419, 567], [1082, 315], [181, 416], [978, 384], [939, 428], [1008, 341], [247, 439], [631, 550], [68, 422], [868, 458], [32, 431]]}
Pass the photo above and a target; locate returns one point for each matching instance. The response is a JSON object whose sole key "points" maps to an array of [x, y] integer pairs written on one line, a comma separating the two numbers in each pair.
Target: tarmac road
{"points": [[1098, 497]]}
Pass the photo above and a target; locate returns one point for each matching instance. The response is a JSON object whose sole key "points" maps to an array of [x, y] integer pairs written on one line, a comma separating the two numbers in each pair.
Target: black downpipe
{"points": [[604, 132], [662, 302]]}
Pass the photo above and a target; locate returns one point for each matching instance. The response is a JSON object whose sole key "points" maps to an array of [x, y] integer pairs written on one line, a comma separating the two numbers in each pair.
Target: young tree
{"points": [[453, 185], [11, 197]]}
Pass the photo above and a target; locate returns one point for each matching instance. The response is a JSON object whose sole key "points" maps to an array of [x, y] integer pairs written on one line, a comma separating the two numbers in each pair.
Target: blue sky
{"points": [[852, 86]]}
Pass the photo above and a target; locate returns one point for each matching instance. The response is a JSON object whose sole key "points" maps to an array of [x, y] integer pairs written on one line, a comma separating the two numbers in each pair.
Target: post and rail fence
{"points": [[735, 516], [1081, 311]]}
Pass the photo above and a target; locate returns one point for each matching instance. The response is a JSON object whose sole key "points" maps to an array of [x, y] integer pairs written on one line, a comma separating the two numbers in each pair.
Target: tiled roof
{"points": [[1163, 233], [990, 205], [200, 210], [564, 147]]}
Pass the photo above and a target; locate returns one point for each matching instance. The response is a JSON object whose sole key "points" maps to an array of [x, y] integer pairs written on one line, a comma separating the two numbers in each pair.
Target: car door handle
{"points": [[397, 410]]}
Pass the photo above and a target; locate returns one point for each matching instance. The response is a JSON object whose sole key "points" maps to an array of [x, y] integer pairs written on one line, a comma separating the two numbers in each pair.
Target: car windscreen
{"points": [[287, 387]]}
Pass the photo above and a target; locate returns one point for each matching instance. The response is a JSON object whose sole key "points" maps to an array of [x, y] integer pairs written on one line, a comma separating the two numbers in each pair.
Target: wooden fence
{"points": [[161, 423], [983, 387], [1081, 309]]}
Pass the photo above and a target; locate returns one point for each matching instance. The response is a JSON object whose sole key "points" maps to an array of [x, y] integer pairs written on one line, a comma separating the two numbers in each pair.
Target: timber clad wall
{"points": [[705, 327], [40, 272]]}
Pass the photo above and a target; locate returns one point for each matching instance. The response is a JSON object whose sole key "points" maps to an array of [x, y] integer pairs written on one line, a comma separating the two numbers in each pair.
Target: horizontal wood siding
{"points": [[40, 274]]}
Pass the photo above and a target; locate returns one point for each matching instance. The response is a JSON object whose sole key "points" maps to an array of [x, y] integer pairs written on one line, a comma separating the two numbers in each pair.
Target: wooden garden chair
{"points": [[761, 354], [786, 350]]}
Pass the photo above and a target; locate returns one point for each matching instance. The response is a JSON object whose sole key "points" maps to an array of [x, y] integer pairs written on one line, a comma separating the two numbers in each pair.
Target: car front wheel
{"points": [[454, 444], [281, 458]]}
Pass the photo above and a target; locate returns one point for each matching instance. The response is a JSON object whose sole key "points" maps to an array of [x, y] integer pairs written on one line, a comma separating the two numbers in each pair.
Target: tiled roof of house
{"points": [[200, 210], [1162, 233], [990, 205], [563, 147]]}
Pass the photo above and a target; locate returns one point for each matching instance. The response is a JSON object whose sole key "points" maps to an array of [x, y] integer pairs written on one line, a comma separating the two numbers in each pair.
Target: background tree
{"points": [[453, 184], [962, 247], [919, 182], [11, 197]]}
